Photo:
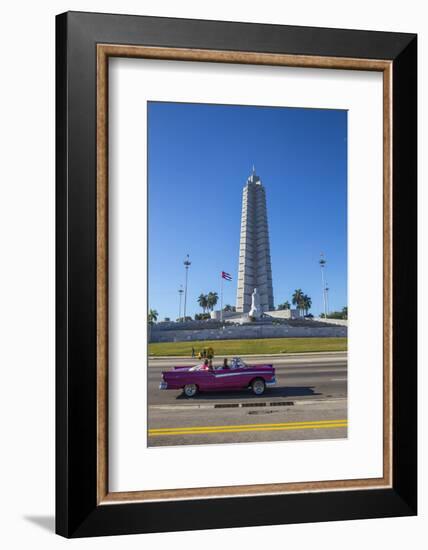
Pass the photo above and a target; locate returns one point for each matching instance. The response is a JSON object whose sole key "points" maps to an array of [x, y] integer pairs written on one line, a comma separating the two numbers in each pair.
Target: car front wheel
{"points": [[190, 390], [258, 386]]}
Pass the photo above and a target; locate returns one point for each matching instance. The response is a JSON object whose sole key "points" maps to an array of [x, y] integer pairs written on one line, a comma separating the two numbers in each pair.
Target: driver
{"points": [[225, 364]]}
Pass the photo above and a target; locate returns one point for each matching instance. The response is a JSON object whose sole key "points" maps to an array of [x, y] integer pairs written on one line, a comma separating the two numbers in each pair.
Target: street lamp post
{"points": [[180, 293], [326, 297], [187, 264], [322, 263]]}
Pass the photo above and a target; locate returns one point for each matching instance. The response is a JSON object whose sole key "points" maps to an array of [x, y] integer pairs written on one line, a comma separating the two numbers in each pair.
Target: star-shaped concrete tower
{"points": [[255, 269]]}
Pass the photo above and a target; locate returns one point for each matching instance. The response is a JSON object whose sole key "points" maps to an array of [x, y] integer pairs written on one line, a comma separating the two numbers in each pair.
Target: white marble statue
{"points": [[255, 310]]}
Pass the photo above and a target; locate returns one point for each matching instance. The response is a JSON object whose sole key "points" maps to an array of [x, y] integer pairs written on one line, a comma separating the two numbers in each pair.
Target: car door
{"points": [[228, 379], [205, 380]]}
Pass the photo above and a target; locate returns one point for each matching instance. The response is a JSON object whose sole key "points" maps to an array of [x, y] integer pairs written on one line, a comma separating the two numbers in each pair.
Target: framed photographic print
{"points": [[236, 247]]}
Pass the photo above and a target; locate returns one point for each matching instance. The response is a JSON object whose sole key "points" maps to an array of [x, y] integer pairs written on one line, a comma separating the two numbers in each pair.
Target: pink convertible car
{"points": [[235, 377]]}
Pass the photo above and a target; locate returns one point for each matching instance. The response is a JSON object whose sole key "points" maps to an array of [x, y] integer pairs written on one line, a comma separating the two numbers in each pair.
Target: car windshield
{"points": [[199, 367], [237, 363]]}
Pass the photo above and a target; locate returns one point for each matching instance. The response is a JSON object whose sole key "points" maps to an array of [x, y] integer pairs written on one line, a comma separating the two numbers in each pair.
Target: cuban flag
{"points": [[226, 276]]}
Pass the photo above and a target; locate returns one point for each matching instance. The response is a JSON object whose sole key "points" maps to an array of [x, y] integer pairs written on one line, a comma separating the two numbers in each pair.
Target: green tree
{"points": [[212, 300], [203, 302], [306, 303], [297, 299], [343, 314], [152, 317], [201, 316], [228, 307]]}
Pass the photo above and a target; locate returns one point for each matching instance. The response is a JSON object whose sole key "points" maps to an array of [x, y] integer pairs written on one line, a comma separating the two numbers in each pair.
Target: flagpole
{"points": [[221, 299]]}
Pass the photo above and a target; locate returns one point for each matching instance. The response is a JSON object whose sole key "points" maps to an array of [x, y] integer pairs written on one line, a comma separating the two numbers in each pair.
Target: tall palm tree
{"points": [[306, 303], [212, 299], [203, 301], [152, 317], [286, 305], [297, 299]]}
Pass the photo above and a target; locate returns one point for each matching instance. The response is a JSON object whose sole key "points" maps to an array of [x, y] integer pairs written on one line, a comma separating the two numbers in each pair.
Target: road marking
{"points": [[249, 425], [201, 430], [338, 379]]}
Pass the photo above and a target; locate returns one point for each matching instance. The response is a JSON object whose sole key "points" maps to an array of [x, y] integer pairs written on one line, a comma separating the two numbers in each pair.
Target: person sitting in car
{"points": [[225, 364]]}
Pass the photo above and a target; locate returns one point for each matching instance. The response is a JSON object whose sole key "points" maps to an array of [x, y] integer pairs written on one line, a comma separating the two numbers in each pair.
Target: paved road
{"points": [[308, 402]]}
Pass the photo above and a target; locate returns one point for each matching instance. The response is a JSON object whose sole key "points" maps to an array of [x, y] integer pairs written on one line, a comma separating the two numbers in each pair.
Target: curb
{"points": [[248, 405], [297, 354], [224, 405]]}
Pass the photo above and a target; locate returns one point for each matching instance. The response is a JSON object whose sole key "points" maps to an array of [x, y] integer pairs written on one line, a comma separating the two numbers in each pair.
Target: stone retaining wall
{"points": [[247, 332], [341, 322]]}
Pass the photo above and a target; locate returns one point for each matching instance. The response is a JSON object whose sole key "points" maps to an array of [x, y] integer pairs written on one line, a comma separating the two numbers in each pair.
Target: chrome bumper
{"points": [[272, 382], [163, 386]]}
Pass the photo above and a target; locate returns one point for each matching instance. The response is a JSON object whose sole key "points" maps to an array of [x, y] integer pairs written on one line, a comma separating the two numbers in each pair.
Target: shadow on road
{"points": [[286, 391]]}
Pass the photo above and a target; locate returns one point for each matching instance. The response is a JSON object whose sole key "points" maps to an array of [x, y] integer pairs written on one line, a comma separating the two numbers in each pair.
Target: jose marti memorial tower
{"points": [[255, 269]]}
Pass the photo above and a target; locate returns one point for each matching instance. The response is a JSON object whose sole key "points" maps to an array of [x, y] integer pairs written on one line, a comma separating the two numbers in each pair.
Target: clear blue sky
{"points": [[199, 159]]}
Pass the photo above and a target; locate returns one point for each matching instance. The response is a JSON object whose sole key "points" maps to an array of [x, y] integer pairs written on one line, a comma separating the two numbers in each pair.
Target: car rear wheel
{"points": [[190, 390], [258, 386]]}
